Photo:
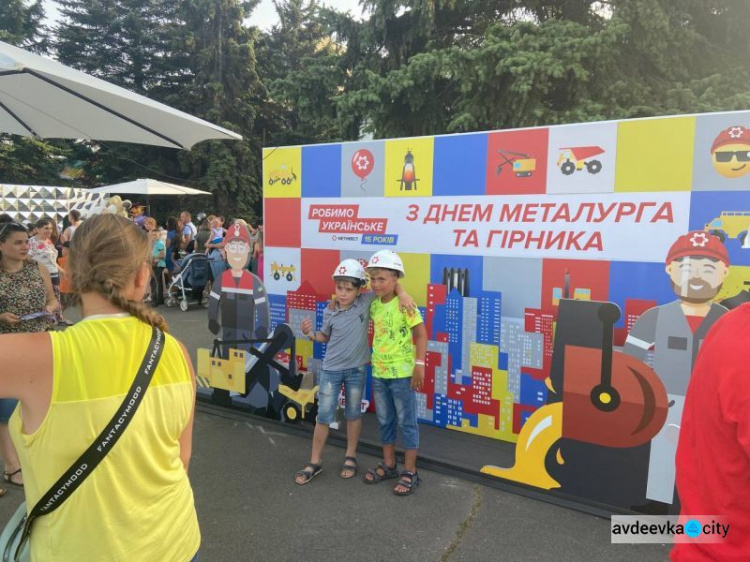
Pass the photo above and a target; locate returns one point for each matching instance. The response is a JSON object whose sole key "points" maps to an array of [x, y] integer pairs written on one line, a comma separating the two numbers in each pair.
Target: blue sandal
{"points": [[308, 473], [387, 473], [410, 481]]}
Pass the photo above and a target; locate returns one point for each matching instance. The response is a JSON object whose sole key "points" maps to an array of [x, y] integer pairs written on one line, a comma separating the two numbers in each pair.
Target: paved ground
{"points": [[251, 509]]}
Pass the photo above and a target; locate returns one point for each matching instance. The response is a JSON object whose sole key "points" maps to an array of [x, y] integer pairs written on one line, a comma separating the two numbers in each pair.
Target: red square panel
{"points": [[318, 267], [282, 223], [517, 162]]}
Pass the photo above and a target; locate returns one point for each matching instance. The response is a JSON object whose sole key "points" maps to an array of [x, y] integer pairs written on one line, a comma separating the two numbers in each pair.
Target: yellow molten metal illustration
{"points": [[540, 432]]}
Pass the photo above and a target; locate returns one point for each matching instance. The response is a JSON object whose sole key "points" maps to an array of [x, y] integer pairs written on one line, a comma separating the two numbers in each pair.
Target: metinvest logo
{"points": [[629, 529]]}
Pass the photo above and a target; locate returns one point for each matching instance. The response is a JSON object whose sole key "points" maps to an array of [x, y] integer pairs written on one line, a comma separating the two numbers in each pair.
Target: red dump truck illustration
{"points": [[574, 158]]}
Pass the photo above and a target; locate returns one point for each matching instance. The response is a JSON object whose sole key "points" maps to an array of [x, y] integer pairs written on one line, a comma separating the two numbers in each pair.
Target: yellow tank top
{"points": [[138, 503]]}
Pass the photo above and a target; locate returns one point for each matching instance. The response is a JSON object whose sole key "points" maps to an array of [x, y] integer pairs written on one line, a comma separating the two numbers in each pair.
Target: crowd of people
{"points": [[112, 265]]}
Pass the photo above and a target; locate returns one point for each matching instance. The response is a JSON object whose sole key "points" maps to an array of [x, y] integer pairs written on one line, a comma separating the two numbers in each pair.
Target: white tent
{"points": [[42, 98], [148, 187]]}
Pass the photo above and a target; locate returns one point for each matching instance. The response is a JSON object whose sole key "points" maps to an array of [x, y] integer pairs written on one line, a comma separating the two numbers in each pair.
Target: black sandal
{"points": [[389, 472], [308, 473], [349, 466], [410, 481], [8, 477]]}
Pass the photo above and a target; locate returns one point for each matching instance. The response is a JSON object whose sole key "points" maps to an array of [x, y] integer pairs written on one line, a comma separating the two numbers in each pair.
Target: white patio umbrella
{"points": [[148, 187], [45, 99]]}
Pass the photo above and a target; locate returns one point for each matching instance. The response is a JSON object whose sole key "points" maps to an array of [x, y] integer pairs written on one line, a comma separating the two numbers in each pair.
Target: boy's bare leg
{"points": [[320, 436], [410, 465], [353, 429], [389, 455]]}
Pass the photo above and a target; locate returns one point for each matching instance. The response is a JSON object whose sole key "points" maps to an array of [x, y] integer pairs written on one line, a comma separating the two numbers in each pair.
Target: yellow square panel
{"points": [[417, 278], [408, 167], [282, 173], [655, 154]]}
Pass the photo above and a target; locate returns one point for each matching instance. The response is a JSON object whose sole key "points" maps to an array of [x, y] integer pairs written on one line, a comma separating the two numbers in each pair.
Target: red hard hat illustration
{"points": [[698, 244], [237, 233], [733, 135]]}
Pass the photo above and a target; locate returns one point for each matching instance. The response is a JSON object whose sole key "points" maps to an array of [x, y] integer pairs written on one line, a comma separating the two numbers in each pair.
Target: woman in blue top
{"points": [[172, 244]]}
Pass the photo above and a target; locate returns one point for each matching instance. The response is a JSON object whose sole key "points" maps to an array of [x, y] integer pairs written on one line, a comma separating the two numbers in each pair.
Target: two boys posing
{"points": [[396, 373]]}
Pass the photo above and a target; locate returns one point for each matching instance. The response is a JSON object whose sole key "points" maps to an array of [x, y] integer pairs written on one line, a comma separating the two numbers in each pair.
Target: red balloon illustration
{"points": [[362, 163]]}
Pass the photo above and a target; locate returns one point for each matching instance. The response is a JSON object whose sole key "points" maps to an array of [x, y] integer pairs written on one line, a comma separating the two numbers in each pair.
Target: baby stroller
{"points": [[189, 283]]}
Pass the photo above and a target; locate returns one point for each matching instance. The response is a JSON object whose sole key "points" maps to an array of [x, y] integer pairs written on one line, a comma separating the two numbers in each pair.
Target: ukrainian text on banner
{"points": [[625, 227]]}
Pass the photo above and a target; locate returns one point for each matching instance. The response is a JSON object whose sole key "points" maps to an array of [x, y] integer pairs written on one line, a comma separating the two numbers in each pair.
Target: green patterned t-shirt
{"points": [[392, 344]]}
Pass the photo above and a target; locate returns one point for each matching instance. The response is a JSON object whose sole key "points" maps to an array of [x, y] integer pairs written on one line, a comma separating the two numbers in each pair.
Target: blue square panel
{"points": [[460, 165], [321, 171]]}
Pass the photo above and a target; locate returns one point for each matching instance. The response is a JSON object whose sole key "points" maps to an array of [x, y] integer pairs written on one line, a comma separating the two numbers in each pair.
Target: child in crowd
{"points": [[345, 327], [396, 374]]}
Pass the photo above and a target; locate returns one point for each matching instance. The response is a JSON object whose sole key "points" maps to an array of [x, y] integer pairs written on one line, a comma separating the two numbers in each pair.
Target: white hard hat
{"points": [[387, 259], [350, 269]]}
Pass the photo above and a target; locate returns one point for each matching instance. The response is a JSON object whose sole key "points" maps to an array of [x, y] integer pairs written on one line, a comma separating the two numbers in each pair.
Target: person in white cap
{"points": [[345, 327], [396, 373]]}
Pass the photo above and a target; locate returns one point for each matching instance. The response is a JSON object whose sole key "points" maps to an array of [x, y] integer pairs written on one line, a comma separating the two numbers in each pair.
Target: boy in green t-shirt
{"points": [[395, 372]]}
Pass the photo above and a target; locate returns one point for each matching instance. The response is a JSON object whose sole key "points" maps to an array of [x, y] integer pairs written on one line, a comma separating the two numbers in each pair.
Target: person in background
{"points": [[25, 288], [203, 236], [43, 251], [66, 287], [74, 218], [188, 232], [138, 503], [158, 263], [172, 245]]}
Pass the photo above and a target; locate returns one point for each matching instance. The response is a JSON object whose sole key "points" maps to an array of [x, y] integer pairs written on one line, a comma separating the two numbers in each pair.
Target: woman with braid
{"points": [[137, 504]]}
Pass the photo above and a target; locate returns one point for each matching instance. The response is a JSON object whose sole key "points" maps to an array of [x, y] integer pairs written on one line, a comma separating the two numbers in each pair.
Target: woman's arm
{"points": [[186, 439], [52, 303], [26, 374]]}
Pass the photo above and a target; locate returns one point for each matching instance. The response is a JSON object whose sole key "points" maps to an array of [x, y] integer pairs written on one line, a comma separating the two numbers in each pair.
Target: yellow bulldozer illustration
{"points": [[300, 403], [226, 374]]}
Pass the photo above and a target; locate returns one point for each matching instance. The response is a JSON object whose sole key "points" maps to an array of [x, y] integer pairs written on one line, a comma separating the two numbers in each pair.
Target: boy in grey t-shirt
{"points": [[345, 327]]}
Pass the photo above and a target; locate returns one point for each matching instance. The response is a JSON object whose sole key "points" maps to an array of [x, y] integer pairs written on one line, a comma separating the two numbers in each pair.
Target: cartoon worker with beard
{"points": [[697, 264]]}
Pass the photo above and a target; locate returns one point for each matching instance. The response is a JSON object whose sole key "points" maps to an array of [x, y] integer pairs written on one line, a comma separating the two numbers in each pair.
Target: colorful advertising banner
{"points": [[567, 277]]}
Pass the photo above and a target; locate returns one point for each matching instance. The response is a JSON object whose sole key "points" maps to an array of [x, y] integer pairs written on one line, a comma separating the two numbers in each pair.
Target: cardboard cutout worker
{"points": [[697, 264], [239, 295]]}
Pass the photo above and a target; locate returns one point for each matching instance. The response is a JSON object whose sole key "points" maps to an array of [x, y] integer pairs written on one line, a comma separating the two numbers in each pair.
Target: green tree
{"points": [[301, 63], [27, 160], [426, 67], [21, 24], [225, 90]]}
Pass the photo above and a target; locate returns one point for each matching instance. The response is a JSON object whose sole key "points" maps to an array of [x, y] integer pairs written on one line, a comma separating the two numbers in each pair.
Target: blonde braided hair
{"points": [[105, 254]]}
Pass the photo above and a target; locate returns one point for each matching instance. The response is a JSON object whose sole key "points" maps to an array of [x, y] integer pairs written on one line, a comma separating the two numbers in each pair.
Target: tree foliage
{"points": [[409, 67]]}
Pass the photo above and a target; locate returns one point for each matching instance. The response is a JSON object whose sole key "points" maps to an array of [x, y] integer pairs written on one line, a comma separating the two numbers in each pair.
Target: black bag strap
{"points": [[90, 459]]}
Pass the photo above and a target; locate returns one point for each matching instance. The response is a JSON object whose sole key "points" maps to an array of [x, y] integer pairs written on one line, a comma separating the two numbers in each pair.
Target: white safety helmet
{"points": [[350, 270], [387, 259]]}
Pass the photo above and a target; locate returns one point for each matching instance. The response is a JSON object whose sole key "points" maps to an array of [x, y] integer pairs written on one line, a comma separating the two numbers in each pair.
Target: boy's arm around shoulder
{"points": [[419, 333]]}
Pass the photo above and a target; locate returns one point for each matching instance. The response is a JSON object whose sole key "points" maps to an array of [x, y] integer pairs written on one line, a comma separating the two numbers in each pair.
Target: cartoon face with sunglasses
{"points": [[731, 152]]}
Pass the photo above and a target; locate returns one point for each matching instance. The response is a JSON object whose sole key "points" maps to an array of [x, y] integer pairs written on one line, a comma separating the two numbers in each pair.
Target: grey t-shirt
{"points": [[348, 347]]}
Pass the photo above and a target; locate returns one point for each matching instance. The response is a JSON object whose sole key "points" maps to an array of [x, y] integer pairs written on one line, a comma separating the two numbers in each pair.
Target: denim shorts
{"points": [[7, 405], [328, 394], [396, 405]]}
